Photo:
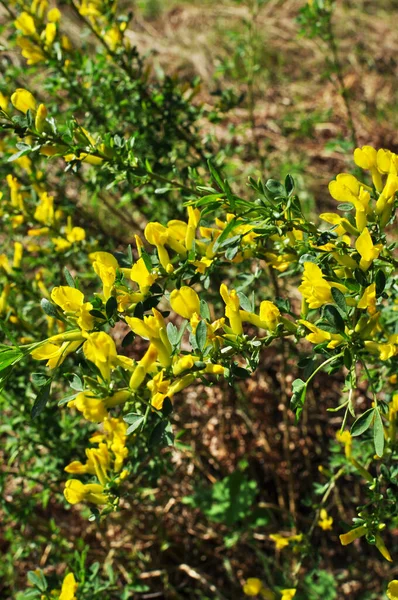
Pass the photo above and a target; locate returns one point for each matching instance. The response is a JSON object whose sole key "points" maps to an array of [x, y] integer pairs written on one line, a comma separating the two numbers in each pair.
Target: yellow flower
{"points": [[156, 234], [49, 34], [366, 249], [183, 363], [159, 389], [346, 439], [368, 299], [25, 24], [185, 302], [17, 220], [140, 274], [3, 102], [269, 314], [280, 541], [105, 265], [325, 522], [346, 188], [44, 212], [23, 100], [75, 234], [53, 15], [392, 590], [61, 244], [18, 250], [252, 587], [341, 225], [3, 298], [315, 289], [69, 587], [380, 545], [55, 354], [386, 161], [98, 463], [354, 534], [193, 222], [232, 303], [143, 367], [280, 262], [100, 349], [75, 491], [366, 158], [385, 351], [39, 7], [153, 328], [71, 300], [68, 298], [288, 594], [93, 409], [31, 52], [318, 336]]}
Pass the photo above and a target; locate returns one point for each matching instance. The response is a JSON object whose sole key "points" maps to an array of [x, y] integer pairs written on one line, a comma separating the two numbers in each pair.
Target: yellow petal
{"points": [[185, 302], [23, 100], [68, 298]]}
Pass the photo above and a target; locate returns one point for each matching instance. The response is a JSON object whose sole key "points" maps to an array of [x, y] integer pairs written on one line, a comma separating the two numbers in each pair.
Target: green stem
{"points": [[326, 362]]}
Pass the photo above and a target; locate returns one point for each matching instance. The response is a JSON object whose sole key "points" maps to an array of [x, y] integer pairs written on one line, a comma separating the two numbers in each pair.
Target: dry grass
{"points": [[298, 111]]}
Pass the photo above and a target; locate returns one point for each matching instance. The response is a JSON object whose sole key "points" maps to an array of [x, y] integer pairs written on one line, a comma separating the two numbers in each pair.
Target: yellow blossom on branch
{"points": [[69, 588], [325, 522]]}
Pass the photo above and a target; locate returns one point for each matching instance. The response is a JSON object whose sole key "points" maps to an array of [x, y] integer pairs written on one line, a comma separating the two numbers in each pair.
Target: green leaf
{"points": [[298, 385], [348, 358], [307, 258], [167, 407], [215, 175], [164, 190], [76, 383], [134, 420], [204, 310], [128, 339], [162, 435], [363, 422], [41, 400], [208, 199], [49, 308], [289, 184], [380, 282], [239, 372], [147, 260], [111, 306], [360, 277], [67, 399], [19, 154], [69, 279], [333, 316], [37, 579], [9, 356], [97, 314], [172, 333], [299, 388], [345, 207], [245, 302], [339, 298], [231, 225], [378, 433], [39, 379], [276, 188], [201, 335]]}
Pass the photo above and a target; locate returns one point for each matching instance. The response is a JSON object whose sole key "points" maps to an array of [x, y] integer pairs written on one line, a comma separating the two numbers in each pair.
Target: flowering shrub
{"points": [[195, 298]]}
